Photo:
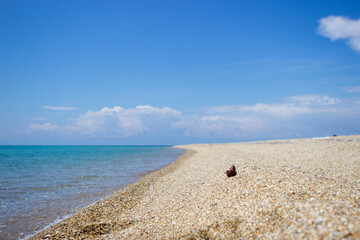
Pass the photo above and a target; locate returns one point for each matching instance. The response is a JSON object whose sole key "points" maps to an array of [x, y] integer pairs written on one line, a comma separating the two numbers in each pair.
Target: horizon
{"points": [[170, 145], [177, 72]]}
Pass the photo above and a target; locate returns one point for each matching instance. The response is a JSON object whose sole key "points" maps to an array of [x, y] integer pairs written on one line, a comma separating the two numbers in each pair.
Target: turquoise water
{"points": [[42, 184]]}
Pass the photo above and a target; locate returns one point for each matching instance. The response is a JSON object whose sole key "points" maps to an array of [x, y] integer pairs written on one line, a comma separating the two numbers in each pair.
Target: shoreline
{"points": [[57, 221], [41, 185], [144, 180], [299, 188]]}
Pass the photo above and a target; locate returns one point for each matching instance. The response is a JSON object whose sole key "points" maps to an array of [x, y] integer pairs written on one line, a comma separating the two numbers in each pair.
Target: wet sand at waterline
{"points": [[284, 189]]}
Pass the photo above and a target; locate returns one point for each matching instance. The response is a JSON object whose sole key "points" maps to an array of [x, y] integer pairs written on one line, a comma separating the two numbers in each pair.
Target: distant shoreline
{"points": [[300, 188]]}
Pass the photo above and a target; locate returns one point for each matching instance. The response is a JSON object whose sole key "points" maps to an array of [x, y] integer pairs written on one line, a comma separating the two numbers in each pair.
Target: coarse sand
{"points": [[284, 189]]}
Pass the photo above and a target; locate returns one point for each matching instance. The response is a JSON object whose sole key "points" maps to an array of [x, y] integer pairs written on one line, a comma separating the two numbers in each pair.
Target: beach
{"points": [[284, 189]]}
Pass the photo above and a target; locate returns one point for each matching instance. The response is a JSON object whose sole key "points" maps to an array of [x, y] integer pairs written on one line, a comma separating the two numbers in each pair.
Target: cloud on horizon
{"points": [[118, 121], [287, 119], [338, 27], [313, 100], [294, 105]]}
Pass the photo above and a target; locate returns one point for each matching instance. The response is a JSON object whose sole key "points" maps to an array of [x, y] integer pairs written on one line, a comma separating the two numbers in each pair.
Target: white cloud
{"points": [[337, 27], [313, 100], [285, 119], [115, 122], [123, 122], [60, 108], [353, 89], [294, 105], [43, 127], [251, 120], [284, 110], [220, 126], [280, 110]]}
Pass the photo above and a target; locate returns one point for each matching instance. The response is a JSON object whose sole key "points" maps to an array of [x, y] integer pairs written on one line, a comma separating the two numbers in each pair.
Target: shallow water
{"points": [[41, 184]]}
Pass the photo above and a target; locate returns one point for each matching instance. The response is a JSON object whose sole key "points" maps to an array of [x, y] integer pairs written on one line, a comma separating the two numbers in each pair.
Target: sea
{"points": [[42, 185]]}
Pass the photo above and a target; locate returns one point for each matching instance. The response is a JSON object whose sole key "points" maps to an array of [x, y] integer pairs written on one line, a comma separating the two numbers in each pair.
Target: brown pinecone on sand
{"points": [[231, 172]]}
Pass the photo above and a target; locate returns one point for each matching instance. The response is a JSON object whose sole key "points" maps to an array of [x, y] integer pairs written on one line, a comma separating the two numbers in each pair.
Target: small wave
{"points": [[47, 226]]}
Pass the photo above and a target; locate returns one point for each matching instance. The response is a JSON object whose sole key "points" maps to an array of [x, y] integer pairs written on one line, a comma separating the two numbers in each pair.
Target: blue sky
{"points": [[177, 72]]}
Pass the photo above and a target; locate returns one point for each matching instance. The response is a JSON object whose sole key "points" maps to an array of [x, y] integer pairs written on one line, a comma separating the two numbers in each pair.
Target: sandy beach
{"points": [[284, 189]]}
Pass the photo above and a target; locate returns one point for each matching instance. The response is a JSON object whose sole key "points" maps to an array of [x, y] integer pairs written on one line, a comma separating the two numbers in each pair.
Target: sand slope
{"points": [[305, 188]]}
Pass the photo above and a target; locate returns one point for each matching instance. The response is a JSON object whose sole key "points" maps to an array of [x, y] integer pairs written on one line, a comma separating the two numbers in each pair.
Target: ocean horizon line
{"points": [[94, 145]]}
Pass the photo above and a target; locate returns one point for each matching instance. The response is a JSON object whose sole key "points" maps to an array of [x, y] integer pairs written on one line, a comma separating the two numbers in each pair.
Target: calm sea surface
{"points": [[40, 185]]}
